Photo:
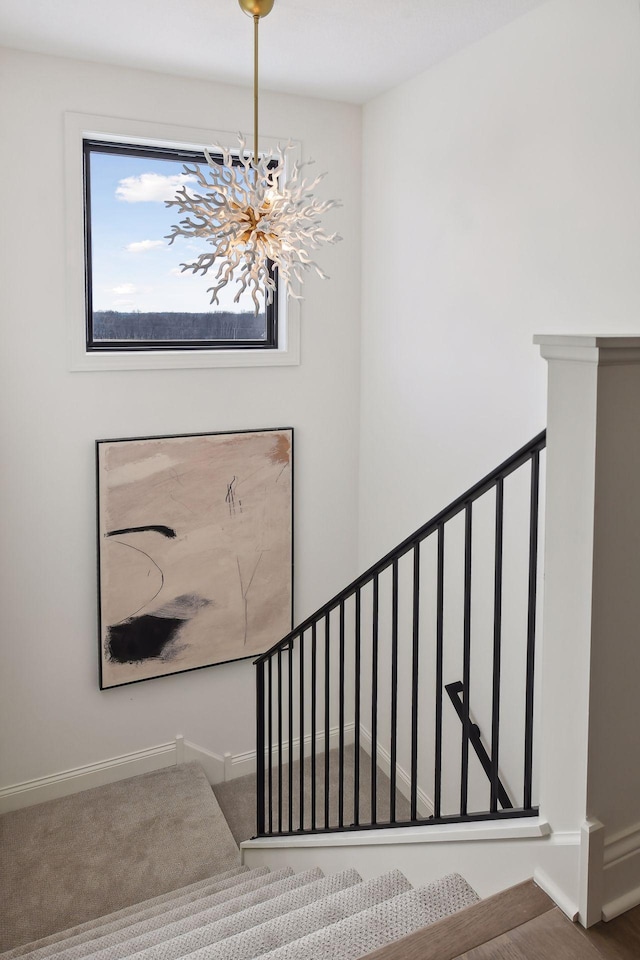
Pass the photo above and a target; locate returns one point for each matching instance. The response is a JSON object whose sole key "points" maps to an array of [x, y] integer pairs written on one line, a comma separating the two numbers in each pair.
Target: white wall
{"points": [[53, 716], [517, 214]]}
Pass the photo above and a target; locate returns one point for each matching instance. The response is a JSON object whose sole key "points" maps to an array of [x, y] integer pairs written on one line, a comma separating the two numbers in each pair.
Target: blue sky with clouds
{"points": [[134, 268]]}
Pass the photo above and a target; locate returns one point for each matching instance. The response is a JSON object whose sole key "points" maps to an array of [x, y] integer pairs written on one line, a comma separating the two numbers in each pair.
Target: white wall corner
{"points": [[558, 894], [212, 764], [424, 802], [239, 764]]}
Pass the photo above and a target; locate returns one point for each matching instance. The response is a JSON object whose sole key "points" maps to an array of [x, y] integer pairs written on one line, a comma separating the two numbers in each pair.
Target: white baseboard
{"points": [[217, 768], [621, 872], [403, 780], [241, 764], [98, 774], [556, 893], [84, 778], [628, 900]]}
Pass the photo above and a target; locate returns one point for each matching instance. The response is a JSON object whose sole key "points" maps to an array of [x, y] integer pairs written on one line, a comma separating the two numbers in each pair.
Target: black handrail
{"points": [[455, 507], [326, 658]]}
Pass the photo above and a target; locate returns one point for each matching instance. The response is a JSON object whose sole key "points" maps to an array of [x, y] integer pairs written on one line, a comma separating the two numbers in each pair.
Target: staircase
{"points": [[280, 915]]}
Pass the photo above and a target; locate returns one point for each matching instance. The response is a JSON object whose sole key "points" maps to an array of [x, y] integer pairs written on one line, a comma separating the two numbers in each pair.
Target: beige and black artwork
{"points": [[194, 550]]}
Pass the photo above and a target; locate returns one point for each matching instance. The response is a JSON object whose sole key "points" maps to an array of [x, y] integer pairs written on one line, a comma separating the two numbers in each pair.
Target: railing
{"points": [[347, 737]]}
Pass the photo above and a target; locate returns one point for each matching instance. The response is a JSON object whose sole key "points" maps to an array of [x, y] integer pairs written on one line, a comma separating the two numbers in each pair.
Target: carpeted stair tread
{"points": [[124, 912], [371, 929], [246, 920], [307, 920], [180, 906], [184, 936]]}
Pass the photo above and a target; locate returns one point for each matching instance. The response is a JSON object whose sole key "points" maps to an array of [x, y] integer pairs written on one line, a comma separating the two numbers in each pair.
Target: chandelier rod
{"points": [[256, 21]]}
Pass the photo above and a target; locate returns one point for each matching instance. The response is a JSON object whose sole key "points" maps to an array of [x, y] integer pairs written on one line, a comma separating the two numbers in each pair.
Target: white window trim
{"points": [[79, 126]]}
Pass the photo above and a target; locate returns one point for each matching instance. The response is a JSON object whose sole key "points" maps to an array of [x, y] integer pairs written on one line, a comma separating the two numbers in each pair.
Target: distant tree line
{"points": [[214, 325]]}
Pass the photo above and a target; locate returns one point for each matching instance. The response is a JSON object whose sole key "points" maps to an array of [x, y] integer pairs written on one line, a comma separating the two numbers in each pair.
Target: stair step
{"points": [[181, 906], [252, 916], [307, 920], [180, 937], [478, 924], [117, 914], [371, 929]]}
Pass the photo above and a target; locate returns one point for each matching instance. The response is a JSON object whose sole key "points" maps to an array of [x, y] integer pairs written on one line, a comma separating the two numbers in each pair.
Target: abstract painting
{"points": [[194, 550]]}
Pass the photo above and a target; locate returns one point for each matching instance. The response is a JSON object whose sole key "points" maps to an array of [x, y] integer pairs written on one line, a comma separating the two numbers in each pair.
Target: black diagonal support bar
{"points": [[461, 704], [353, 697]]}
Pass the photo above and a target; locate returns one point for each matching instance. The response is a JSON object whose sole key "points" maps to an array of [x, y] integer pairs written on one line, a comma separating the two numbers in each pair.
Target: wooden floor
{"points": [[519, 924]]}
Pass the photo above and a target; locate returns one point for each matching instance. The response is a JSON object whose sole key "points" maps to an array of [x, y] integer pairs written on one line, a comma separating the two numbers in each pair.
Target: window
{"points": [[138, 298]]}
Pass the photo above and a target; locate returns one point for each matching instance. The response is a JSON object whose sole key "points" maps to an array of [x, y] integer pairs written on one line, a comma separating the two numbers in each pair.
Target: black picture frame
{"points": [[168, 595]]}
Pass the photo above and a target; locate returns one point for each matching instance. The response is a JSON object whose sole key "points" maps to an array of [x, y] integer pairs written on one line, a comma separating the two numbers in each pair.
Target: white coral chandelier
{"points": [[256, 218]]}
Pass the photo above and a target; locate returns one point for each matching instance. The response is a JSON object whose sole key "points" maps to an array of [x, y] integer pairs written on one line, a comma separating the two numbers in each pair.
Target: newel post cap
{"points": [[590, 348]]}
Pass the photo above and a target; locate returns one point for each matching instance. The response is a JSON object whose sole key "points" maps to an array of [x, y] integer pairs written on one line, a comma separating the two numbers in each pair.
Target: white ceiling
{"points": [[339, 49]]}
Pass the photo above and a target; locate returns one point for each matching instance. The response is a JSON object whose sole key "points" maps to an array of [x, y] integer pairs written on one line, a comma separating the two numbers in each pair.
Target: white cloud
{"points": [[151, 187], [123, 289], [141, 245], [179, 272]]}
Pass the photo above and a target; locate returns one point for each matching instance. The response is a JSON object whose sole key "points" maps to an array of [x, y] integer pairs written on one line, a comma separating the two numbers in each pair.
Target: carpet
{"points": [[237, 798], [119, 844]]}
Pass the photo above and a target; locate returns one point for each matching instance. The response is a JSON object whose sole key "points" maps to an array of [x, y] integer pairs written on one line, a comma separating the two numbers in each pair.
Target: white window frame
{"points": [[79, 126]]}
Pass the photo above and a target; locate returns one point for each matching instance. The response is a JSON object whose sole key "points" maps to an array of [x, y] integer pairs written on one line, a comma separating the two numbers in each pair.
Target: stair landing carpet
{"points": [[69, 860]]}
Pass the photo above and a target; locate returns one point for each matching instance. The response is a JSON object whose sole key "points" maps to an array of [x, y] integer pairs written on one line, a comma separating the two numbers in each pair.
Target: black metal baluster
{"points": [[313, 723], [437, 789], [415, 682], [270, 735], [374, 703], [531, 628], [279, 740], [327, 730], [466, 662], [290, 685], [271, 714], [341, 722], [301, 694], [394, 692], [260, 785], [497, 644], [356, 740]]}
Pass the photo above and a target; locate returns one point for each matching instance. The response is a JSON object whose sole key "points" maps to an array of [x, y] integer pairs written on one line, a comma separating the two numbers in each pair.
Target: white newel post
{"points": [[589, 744]]}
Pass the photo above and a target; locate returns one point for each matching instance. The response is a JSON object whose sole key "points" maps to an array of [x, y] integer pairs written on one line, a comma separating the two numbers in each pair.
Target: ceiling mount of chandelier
{"points": [[257, 213]]}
